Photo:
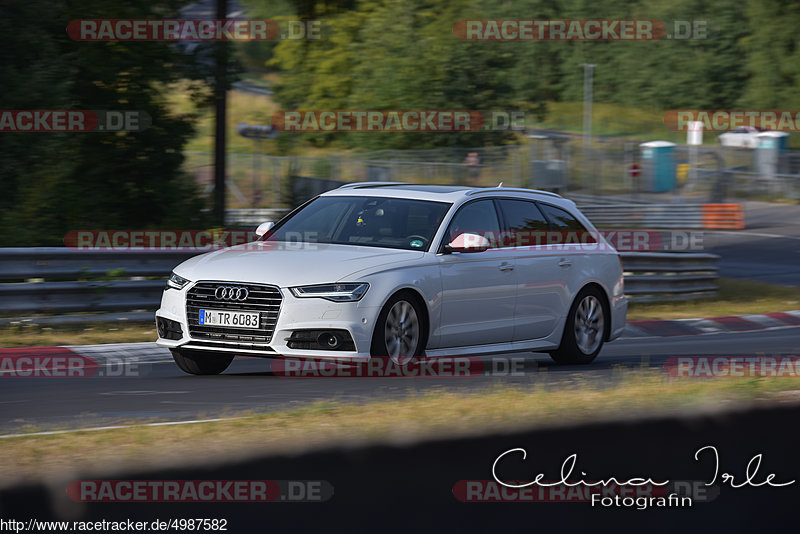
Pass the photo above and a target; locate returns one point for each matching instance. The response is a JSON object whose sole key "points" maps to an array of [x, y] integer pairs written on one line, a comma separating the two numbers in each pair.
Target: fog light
{"points": [[337, 339], [326, 339], [168, 329]]}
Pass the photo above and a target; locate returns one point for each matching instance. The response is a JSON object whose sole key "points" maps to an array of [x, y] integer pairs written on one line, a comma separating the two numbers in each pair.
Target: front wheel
{"points": [[197, 362], [399, 330], [585, 329]]}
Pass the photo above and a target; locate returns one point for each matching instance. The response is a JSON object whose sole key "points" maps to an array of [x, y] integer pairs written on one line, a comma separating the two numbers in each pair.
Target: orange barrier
{"points": [[723, 217]]}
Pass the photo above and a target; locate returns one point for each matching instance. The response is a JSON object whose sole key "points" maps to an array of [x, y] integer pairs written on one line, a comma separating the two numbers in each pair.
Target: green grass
{"points": [[615, 120], [735, 297], [610, 120], [242, 107], [29, 334], [640, 123]]}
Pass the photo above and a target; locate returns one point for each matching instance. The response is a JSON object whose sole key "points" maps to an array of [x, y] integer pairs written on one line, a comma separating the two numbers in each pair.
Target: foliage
{"points": [[394, 54], [373, 55], [55, 182]]}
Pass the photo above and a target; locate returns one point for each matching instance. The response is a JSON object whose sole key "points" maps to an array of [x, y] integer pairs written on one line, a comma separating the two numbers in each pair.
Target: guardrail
{"points": [[700, 216], [65, 263], [60, 280], [663, 276]]}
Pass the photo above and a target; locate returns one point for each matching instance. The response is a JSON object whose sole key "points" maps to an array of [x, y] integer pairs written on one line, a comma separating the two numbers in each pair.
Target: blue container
{"points": [[659, 166], [773, 141], [771, 145]]}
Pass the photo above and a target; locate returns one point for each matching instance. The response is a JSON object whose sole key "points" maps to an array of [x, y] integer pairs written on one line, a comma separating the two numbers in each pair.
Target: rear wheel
{"points": [[197, 362], [585, 329]]}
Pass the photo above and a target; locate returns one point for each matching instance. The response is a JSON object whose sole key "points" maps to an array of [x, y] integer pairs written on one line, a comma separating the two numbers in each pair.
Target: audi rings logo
{"points": [[231, 293]]}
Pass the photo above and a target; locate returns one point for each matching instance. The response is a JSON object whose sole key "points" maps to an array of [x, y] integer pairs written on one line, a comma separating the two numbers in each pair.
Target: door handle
{"points": [[506, 267], [564, 262]]}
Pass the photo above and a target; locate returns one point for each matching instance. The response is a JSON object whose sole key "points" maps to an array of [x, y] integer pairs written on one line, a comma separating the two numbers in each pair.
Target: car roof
{"points": [[441, 193]]}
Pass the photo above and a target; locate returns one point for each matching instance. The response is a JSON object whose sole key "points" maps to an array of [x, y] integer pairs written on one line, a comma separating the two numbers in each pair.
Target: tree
{"points": [[56, 182], [395, 55], [773, 55]]}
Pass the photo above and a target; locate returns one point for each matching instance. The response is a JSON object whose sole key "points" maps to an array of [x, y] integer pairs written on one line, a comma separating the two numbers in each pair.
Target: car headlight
{"points": [[340, 292], [176, 282]]}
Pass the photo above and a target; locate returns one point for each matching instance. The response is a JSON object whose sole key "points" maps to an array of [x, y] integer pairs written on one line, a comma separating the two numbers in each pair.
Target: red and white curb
{"points": [[712, 325], [145, 352]]}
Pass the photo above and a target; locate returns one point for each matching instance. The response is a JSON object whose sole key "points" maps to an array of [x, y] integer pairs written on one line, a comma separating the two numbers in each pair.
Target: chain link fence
{"points": [[260, 181], [606, 170], [620, 171]]}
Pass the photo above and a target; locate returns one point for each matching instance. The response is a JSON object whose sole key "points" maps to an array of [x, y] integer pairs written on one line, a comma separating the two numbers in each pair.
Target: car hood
{"points": [[291, 264]]}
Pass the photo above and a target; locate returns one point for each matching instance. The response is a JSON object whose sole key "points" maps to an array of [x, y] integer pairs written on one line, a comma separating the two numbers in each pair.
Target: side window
{"points": [[563, 221], [525, 223], [477, 217]]}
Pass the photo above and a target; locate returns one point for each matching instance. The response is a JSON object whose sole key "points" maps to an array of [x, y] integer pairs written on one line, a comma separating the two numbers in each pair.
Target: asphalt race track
{"points": [[156, 390], [767, 251]]}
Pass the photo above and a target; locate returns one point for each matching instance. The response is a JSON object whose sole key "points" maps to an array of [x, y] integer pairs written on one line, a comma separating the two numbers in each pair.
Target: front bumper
{"points": [[295, 314]]}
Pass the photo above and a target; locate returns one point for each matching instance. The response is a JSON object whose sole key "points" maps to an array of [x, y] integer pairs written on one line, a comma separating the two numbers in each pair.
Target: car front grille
{"points": [[264, 299]]}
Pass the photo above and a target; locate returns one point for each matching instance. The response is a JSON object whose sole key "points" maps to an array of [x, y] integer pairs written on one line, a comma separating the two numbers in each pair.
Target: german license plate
{"points": [[229, 318]]}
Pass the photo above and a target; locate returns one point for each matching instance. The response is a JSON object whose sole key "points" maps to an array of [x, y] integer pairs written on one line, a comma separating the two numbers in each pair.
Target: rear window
{"points": [[523, 215], [525, 224], [563, 221]]}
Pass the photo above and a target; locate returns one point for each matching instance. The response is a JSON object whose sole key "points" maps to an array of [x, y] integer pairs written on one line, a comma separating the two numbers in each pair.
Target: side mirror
{"points": [[467, 242], [264, 227]]}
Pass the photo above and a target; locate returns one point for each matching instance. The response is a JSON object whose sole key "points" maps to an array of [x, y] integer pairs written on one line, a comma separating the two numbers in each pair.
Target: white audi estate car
{"points": [[404, 271]]}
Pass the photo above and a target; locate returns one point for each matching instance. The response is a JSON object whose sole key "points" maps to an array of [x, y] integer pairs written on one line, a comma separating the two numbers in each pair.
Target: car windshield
{"points": [[366, 221]]}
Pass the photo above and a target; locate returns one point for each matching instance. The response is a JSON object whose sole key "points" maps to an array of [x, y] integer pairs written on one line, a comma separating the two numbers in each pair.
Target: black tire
{"points": [[197, 362], [414, 344], [582, 344]]}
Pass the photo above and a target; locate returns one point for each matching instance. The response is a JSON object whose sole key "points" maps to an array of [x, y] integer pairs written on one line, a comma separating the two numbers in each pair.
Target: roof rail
{"points": [[515, 189], [364, 185]]}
